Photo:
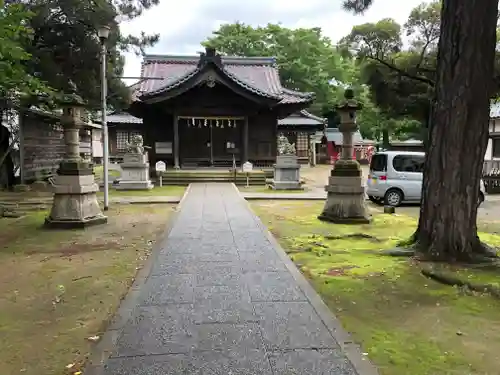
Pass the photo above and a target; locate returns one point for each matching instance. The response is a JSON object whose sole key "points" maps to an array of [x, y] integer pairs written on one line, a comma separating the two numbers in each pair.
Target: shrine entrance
{"points": [[210, 141]]}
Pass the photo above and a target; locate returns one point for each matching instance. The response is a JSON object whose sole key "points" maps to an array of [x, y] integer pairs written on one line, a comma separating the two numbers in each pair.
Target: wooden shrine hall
{"points": [[211, 110]]}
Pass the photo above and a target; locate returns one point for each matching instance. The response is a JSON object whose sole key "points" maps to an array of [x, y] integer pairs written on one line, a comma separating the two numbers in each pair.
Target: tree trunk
{"points": [[458, 133]]}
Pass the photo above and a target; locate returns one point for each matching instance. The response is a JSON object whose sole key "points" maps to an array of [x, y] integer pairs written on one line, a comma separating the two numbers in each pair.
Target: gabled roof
{"points": [[256, 75], [302, 118], [118, 118], [123, 118], [334, 135]]}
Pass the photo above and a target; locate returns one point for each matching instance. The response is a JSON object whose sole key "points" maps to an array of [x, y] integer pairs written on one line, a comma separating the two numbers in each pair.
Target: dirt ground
{"points": [[58, 288], [317, 177]]}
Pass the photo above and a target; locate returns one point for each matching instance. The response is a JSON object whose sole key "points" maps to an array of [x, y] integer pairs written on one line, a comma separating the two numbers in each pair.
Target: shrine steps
{"points": [[185, 177]]}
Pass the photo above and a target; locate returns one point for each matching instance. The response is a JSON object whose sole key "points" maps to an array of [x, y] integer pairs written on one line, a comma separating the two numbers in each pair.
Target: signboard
{"points": [[247, 167], [160, 166], [163, 148]]}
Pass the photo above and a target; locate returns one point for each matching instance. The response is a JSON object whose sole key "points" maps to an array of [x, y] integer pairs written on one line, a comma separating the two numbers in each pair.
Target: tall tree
{"points": [[423, 26], [15, 81], [378, 40], [390, 74], [458, 133], [64, 46]]}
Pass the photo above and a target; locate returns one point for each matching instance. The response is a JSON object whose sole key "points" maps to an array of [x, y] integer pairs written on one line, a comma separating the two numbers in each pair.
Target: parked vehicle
{"points": [[396, 177]]}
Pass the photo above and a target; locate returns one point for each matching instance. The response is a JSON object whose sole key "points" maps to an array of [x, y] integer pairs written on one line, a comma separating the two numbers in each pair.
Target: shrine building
{"points": [[211, 110]]}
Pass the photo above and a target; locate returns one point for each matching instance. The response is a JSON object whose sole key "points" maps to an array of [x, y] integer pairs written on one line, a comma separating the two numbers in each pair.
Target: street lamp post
{"points": [[103, 34]]}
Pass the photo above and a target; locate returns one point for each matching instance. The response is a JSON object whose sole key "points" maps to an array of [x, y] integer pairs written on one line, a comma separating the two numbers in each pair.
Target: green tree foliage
{"points": [[380, 39], [15, 80], [64, 46], [401, 81]]}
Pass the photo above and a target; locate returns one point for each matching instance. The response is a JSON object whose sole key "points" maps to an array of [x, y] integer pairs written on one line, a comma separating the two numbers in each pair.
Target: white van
{"points": [[396, 177]]}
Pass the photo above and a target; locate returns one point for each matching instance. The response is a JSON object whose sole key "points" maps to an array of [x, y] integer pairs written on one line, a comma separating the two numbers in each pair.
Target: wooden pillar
{"points": [[245, 142], [22, 151], [312, 144], [176, 142]]}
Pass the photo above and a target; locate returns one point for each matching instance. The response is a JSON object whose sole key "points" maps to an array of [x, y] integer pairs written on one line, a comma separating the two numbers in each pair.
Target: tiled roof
{"points": [[302, 118], [119, 118], [123, 118], [258, 75], [334, 135]]}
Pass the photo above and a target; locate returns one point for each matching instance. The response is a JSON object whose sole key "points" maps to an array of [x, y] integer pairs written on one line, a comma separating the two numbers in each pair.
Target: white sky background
{"points": [[183, 24]]}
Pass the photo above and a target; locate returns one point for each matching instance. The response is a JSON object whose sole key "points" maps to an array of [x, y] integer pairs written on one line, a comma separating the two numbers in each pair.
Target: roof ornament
{"points": [[210, 82], [210, 56]]}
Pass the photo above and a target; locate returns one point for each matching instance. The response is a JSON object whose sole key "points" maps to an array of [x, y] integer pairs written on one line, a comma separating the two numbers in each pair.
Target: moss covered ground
{"points": [[405, 322], [58, 288]]}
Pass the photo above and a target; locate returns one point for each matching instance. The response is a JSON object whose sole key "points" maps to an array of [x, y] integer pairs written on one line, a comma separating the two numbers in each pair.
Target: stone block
{"points": [[135, 173], [40, 186], [21, 188], [75, 203], [134, 158], [131, 185], [286, 173]]}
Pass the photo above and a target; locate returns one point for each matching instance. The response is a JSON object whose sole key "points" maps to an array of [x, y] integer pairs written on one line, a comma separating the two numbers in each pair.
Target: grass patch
{"points": [[58, 288], [406, 323], [99, 172], [164, 191]]}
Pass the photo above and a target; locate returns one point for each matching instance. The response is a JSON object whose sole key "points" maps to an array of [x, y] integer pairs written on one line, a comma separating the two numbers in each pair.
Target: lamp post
{"points": [[103, 33]]}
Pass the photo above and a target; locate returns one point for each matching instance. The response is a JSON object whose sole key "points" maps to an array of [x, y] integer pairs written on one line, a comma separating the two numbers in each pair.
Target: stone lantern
{"points": [[345, 202], [75, 202]]}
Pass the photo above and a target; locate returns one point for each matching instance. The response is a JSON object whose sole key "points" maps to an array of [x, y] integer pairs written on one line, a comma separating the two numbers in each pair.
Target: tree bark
{"points": [[458, 133]]}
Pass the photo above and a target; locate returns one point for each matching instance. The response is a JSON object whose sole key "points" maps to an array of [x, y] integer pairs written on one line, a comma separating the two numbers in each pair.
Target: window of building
{"points": [[123, 137], [408, 163], [495, 147], [302, 145]]}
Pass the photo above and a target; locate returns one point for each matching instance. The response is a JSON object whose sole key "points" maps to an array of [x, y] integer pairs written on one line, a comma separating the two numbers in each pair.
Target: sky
{"points": [[183, 24]]}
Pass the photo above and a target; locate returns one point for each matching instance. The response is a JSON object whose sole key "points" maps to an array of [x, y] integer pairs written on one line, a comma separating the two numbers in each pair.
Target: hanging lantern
{"points": [[205, 123], [229, 123], [217, 123]]}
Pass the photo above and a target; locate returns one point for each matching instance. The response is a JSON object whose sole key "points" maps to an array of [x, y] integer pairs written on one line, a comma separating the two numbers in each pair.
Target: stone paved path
{"points": [[221, 299]]}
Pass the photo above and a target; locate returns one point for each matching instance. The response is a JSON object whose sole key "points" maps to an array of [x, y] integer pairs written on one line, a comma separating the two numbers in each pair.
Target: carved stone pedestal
{"points": [[345, 202], [135, 173], [75, 202], [286, 173]]}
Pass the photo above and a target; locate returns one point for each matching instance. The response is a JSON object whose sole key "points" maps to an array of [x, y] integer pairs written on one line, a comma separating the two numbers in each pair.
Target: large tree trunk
{"points": [[458, 134]]}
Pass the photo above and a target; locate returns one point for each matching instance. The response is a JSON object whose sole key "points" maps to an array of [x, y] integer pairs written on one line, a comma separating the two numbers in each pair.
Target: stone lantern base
{"points": [[345, 202], [135, 173], [286, 173], [75, 203]]}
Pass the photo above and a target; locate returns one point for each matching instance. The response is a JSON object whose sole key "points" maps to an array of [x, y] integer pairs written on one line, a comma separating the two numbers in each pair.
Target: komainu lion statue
{"points": [[136, 145]]}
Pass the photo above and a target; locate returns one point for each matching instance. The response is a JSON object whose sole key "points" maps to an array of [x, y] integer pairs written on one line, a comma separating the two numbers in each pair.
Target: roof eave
{"points": [[191, 80]]}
